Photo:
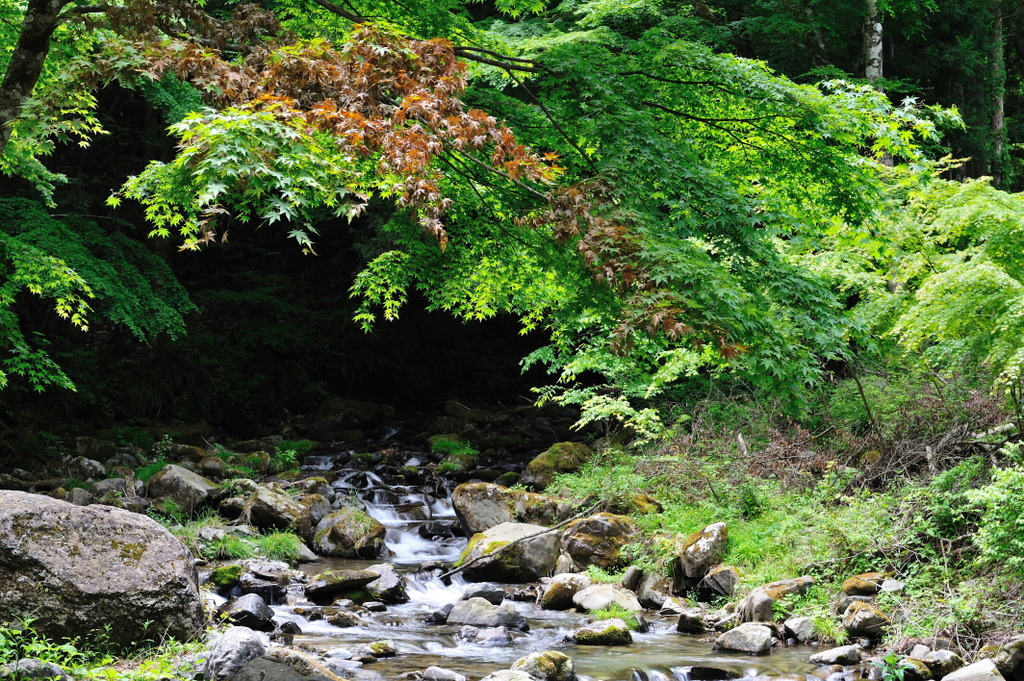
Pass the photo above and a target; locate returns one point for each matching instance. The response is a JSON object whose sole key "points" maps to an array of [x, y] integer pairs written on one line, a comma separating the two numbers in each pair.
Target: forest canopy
{"points": [[612, 174]]}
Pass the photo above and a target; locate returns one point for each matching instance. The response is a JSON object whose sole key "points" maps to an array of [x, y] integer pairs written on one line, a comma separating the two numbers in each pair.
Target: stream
{"points": [[422, 532]]}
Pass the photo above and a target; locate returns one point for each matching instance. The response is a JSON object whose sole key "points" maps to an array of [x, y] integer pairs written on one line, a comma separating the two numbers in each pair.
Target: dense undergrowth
{"points": [[908, 473]]}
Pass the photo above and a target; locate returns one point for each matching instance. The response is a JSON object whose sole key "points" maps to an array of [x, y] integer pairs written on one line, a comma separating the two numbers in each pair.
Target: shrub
{"points": [[1001, 526]]}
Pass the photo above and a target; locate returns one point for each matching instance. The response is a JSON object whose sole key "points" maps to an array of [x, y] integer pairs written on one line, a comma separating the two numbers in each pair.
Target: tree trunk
{"points": [[872, 41], [997, 57], [27, 60]]}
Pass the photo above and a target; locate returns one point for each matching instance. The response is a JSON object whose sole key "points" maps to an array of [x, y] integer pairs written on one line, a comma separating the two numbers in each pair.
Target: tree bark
{"points": [[997, 57], [873, 61], [27, 61]]}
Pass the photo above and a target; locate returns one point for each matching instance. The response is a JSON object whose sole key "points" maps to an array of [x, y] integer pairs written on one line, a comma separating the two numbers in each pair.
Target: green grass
{"points": [[616, 611], [285, 546]]}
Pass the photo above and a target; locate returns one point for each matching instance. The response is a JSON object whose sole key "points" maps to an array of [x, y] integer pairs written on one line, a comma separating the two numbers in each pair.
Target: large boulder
{"points": [[698, 553], [561, 457], [85, 567], [511, 553], [478, 612], [601, 596], [188, 490], [598, 539], [483, 505], [349, 533], [270, 508], [753, 639]]}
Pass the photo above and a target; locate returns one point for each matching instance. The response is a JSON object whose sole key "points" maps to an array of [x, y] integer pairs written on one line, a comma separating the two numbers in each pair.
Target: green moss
{"points": [[130, 552], [224, 576]]}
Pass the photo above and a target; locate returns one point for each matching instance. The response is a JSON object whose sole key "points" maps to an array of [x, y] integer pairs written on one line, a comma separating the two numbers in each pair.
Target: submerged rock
{"points": [[478, 612], [845, 655], [90, 566]]}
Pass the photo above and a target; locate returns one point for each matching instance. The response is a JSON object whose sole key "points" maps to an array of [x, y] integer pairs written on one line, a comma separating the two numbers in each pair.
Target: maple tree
{"points": [[616, 183]]}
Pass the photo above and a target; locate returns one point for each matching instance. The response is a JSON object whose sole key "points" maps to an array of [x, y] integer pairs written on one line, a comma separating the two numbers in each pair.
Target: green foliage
{"points": [[82, 268], [230, 547], [146, 472], [444, 445], [599, 574], [1000, 535], [284, 460], [616, 611], [286, 546], [248, 164], [893, 667]]}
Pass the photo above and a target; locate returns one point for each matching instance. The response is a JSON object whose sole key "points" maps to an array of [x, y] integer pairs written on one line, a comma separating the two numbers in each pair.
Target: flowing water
{"points": [[422, 528]]}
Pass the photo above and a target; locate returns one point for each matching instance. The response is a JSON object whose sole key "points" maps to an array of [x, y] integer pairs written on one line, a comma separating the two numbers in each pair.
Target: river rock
{"points": [[691, 622], [539, 509], [610, 632], [441, 674], [262, 669], [1009, 656], [330, 584], [479, 613], [698, 553], [248, 610], [864, 619], [274, 509], [866, 584], [750, 638], [844, 655], [560, 589], [87, 566], [561, 457], [547, 665], [600, 596], [720, 580], [943, 662], [389, 587], [378, 649], [525, 560], [508, 675], [349, 533], [480, 506], [188, 490], [490, 592], [490, 637], [800, 628], [984, 670], [759, 604], [654, 590], [598, 539], [231, 651], [28, 668], [319, 507]]}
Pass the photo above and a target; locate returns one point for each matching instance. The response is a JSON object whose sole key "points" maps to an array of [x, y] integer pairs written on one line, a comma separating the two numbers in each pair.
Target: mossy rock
{"points": [[226, 576], [561, 457], [610, 632]]}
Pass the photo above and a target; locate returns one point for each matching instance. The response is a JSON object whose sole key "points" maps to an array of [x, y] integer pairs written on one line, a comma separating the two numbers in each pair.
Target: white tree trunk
{"points": [[872, 41]]}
